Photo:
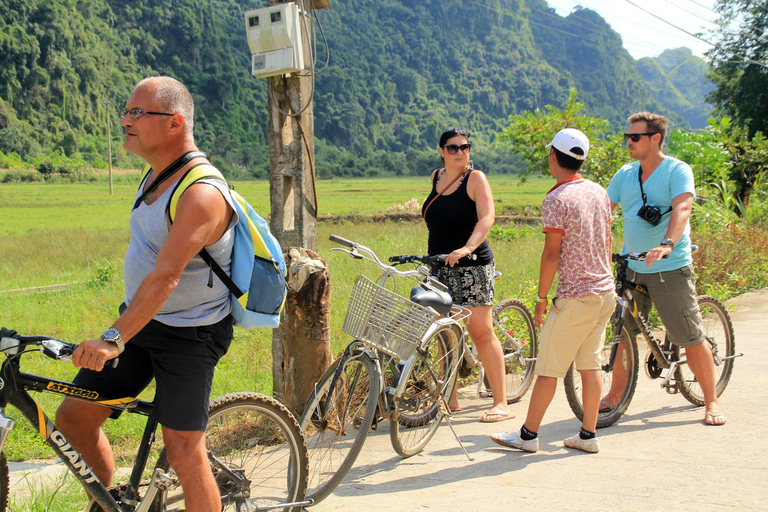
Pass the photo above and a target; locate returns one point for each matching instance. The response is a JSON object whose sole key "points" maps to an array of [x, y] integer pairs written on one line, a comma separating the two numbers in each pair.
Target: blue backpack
{"points": [[258, 269]]}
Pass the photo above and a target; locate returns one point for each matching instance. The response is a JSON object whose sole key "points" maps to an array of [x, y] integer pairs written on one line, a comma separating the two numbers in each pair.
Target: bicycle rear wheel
{"points": [[258, 439], [334, 439], [620, 381], [417, 411], [512, 319], [718, 331]]}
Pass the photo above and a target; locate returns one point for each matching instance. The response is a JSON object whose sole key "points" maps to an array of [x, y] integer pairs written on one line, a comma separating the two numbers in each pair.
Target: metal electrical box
{"points": [[274, 36]]}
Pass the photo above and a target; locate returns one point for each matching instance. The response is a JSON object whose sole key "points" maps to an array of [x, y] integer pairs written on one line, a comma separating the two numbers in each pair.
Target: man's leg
{"points": [[81, 422], [699, 358], [591, 387], [189, 459], [541, 397]]}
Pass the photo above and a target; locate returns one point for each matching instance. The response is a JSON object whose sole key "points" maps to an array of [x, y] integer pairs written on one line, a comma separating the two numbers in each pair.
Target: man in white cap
{"points": [[576, 215]]}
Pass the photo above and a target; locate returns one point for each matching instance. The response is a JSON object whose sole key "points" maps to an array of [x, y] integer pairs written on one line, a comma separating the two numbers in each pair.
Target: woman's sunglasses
{"points": [[635, 137], [452, 149]]}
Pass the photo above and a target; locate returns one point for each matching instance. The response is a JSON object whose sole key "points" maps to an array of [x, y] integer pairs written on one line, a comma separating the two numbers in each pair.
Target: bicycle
{"points": [[622, 348], [403, 362], [515, 329], [255, 447]]}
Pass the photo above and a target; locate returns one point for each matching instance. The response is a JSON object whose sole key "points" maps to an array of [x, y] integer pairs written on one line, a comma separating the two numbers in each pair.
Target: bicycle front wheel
{"points": [[514, 327], [718, 330], [618, 383], [256, 439], [336, 421], [430, 379]]}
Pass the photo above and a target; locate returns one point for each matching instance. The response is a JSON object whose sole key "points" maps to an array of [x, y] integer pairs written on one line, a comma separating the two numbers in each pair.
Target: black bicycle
{"points": [[620, 366], [255, 446]]}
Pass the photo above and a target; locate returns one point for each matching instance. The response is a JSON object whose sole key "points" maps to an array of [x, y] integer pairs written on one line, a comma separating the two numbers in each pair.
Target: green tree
{"points": [[739, 68], [529, 133]]}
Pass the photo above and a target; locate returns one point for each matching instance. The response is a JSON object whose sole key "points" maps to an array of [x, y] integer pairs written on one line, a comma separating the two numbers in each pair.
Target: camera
{"points": [[650, 214]]}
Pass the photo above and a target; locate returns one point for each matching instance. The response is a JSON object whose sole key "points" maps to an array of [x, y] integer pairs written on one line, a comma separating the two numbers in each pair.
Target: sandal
{"points": [[494, 417], [715, 418], [606, 405]]}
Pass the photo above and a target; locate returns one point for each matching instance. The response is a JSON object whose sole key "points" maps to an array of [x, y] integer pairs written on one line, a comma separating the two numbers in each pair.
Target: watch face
{"points": [[111, 334]]}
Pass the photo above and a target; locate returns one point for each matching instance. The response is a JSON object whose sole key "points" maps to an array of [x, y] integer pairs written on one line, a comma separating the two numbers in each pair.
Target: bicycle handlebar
{"points": [[360, 251], [11, 342], [641, 255], [429, 260]]}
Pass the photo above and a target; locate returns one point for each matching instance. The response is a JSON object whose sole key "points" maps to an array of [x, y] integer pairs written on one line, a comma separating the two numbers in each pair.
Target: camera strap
{"points": [[642, 192]]}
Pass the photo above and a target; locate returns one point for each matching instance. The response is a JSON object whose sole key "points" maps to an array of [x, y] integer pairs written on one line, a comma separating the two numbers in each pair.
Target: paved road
{"points": [[660, 456]]}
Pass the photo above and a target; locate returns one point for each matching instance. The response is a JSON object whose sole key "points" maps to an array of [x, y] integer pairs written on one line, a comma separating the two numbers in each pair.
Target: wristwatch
{"points": [[667, 241], [540, 299], [112, 335]]}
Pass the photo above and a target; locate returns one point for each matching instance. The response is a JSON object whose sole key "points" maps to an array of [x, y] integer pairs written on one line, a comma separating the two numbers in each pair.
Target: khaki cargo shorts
{"points": [[574, 331]]}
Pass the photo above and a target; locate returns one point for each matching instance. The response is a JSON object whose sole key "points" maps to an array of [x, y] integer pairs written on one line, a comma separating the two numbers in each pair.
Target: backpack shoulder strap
{"points": [[193, 174]]}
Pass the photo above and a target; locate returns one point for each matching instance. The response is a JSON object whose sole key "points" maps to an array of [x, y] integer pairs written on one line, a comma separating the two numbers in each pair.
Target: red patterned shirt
{"points": [[581, 211]]}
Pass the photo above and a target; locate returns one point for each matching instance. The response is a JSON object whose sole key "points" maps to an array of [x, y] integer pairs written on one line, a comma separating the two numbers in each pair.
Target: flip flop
{"points": [[455, 409], [495, 417], [605, 406], [713, 417]]}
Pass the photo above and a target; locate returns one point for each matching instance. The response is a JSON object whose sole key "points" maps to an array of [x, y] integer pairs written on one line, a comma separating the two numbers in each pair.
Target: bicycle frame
{"points": [[14, 386], [626, 303], [422, 276]]}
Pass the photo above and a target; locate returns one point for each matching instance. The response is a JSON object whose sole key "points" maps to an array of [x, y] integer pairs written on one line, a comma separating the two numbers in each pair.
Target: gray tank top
{"points": [[192, 303]]}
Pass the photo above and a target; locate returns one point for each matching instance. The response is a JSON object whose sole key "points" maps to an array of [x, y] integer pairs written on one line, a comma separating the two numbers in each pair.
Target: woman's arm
{"points": [[480, 192]]}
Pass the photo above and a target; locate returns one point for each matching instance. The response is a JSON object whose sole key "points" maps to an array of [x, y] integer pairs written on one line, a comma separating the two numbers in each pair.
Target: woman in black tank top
{"points": [[459, 213]]}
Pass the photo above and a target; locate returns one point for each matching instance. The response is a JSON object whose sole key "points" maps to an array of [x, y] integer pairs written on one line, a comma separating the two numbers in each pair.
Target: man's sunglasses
{"points": [[452, 149], [136, 113], [636, 136]]}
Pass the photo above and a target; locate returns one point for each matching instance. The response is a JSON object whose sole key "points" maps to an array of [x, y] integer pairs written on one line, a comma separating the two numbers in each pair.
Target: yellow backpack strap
{"points": [[193, 174], [144, 171]]}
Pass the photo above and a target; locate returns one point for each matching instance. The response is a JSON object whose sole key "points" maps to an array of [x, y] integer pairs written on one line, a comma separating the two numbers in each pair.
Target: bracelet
{"points": [[541, 299]]}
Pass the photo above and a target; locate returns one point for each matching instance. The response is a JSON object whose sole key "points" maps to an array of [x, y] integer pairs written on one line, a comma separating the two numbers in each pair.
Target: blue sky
{"points": [[644, 35]]}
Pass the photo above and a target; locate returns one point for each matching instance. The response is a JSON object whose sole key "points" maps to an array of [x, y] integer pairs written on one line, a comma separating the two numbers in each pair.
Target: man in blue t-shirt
{"points": [[656, 195]]}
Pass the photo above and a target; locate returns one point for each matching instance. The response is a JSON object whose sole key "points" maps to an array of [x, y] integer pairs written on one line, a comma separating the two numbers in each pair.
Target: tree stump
{"points": [[304, 335]]}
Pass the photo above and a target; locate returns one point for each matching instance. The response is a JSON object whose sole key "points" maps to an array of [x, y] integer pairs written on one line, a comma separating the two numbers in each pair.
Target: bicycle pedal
{"points": [[486, 394], [672, 388], [408, 403], [164, 481]]}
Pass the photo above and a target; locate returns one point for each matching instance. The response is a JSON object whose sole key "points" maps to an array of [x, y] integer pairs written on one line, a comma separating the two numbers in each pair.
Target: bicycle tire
{"points": [[417, 412], [258, 435], [4, 482], [335, 440], [629, 359], [718, 330], [513, 318]]}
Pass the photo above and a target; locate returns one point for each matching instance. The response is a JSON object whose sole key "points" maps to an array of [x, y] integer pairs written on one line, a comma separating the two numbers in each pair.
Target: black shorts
{"points": [[182, 362]]}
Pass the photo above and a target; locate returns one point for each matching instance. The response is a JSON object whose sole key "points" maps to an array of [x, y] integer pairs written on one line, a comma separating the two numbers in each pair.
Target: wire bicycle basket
{"points": [[384, 320]]}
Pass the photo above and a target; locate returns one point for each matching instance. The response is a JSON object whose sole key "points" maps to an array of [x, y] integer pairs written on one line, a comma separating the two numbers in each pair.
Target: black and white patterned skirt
{"points": [[469, 286]]}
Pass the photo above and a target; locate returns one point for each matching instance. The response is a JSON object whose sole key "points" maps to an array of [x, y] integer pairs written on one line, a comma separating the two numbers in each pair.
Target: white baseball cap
{"points": [[568, 139]]}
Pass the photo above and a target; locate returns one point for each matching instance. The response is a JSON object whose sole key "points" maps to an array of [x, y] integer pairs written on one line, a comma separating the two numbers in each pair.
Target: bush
{"points": [[56, 164]]}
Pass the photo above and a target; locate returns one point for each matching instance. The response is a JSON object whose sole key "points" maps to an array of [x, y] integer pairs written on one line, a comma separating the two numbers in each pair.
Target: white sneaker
{"points": [[513, 440], [587, 445]]}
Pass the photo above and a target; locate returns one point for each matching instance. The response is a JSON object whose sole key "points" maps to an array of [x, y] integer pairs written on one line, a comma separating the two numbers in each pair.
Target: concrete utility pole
{"points": [[301, 345]]}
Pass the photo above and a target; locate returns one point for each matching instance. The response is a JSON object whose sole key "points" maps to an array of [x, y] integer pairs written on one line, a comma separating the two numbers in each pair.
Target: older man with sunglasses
{"points": [[656, 194]]}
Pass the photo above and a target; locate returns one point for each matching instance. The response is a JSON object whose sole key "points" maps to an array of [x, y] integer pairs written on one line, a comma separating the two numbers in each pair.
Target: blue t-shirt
{"points": [[670, 179]]}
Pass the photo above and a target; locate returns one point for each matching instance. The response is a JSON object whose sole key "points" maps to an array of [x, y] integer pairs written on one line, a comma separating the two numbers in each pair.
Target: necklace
{"points": [[459, 181]]}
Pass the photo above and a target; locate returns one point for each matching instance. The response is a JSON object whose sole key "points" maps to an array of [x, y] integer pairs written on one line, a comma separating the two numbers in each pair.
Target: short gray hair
{"points": [[172, 96]]}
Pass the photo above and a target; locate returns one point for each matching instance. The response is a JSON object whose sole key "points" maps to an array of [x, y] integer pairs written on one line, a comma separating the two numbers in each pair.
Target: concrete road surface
{"points": [[659, 456]]}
